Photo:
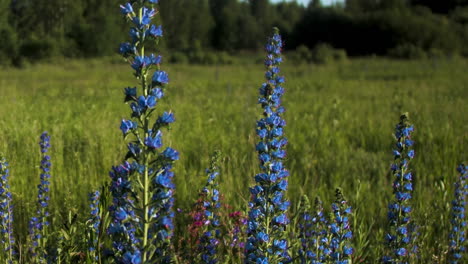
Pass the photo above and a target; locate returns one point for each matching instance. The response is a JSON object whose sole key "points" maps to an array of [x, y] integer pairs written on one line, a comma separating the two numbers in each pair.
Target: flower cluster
{"points": [[236, 234], [340, 231], [6, 214], [142, 187], [267, 215], [400, 238], [458, 231], [312, 233], [122, 226], [209, 240], [39, 223]]}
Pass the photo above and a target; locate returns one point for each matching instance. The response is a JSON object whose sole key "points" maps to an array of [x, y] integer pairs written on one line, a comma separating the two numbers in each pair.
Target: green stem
{"points": [[145, 151]]}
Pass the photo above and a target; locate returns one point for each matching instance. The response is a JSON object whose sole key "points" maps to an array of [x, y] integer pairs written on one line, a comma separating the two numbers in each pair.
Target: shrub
{"points": [[324, 53], [407, 51], [8, 50], [302, 54], [179, 58], [38, 49]]}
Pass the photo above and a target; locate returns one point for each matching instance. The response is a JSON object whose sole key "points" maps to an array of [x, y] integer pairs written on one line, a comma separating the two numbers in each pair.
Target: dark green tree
{"points": [[7, 34], [187, 22], [354, 6], [315, 4], [225, 14]]}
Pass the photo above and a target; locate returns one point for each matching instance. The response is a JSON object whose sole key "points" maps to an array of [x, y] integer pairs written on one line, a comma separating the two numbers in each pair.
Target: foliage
{"points": [[34, 30]]}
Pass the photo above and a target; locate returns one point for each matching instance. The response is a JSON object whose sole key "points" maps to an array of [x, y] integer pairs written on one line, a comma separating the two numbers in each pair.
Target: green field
{"points": [[340, 122]]}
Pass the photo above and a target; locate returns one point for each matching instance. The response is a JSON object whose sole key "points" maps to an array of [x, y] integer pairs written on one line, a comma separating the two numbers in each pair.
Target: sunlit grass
{"points": [[340, 122]]}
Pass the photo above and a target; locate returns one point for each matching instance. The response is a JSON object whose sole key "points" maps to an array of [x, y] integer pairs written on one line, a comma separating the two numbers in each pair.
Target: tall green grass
{"points": [[340, 121]]}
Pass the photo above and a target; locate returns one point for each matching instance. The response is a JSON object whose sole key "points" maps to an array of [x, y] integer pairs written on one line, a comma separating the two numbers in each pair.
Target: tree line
{"points": [[37, 29]]}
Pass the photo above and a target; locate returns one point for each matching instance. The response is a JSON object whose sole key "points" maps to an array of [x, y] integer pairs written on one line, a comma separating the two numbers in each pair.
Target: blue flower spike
{"points": [[312, 232], [458, 222], [210, 231], [268, 206], [142, 187], [340, 230], [7, 240], [400, 240], [38, 225], [95, 223]]}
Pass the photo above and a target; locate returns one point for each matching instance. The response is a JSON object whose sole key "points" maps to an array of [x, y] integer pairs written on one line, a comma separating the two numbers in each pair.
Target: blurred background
{"points": [[34, 30]]}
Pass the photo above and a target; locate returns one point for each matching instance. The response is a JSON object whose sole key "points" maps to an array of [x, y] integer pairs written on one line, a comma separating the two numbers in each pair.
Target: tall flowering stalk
{"points": [[210, 232], [6, 215], [400, 237], [38, 224], [235, 239], [95, 221], [312, 233], [267, 222], [458, 231], [340, 231], [142, 187]]}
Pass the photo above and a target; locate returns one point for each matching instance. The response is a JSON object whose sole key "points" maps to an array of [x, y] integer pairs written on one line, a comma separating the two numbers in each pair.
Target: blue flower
{"points": [[160, 78], [126, 9], [155, 60], [401, 252], [146, 102], [155, 141], [120, 214], [157, 92], [166, 118], [137, 110], [155, 31], [135, 35], [127, 125], [132, 258], [263, 237], [127, 49], [134, 149], [171, 154], [145, 20], [130, 94], [141, 62]]}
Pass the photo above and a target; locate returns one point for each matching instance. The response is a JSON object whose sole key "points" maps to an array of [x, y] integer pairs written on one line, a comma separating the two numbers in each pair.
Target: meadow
{"points": [[340, 119]]}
